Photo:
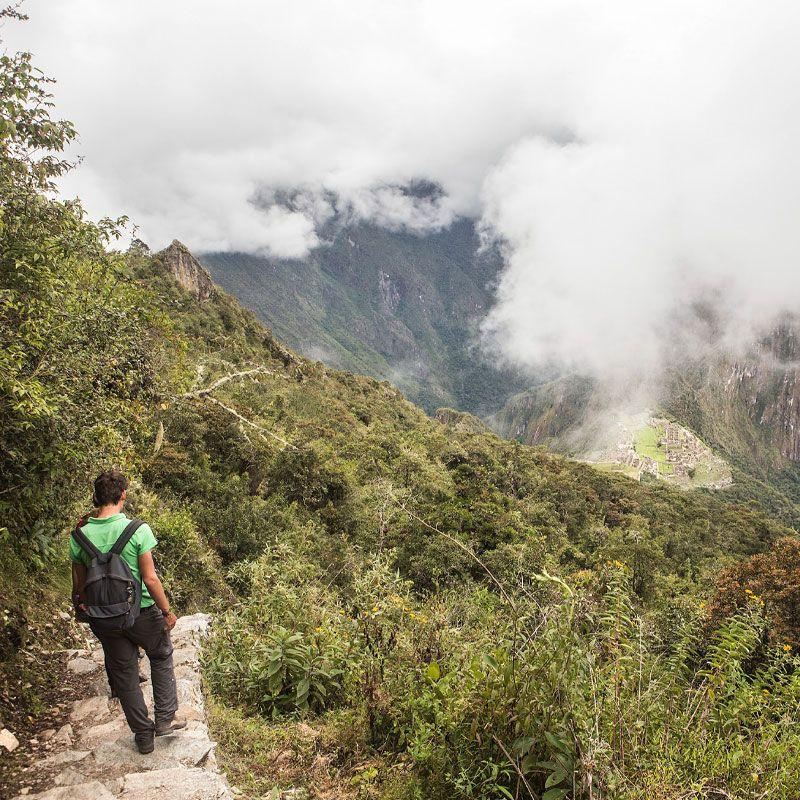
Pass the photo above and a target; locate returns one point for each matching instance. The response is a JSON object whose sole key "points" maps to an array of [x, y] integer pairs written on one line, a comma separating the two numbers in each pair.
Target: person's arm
{"points": [[78, 582], [149, 578]]}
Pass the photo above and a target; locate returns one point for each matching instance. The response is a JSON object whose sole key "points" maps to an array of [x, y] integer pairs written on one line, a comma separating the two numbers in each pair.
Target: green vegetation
{"points": [[405, 609], [646, 442]]}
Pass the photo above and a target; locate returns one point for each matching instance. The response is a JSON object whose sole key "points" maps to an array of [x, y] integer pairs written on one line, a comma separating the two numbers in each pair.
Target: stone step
{"points": [[93, 790], [186, 749], [176, 783], [101, 761]]}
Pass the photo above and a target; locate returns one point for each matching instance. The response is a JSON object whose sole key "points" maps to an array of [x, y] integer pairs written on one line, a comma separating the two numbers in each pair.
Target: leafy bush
{"points": [[277, 670]]}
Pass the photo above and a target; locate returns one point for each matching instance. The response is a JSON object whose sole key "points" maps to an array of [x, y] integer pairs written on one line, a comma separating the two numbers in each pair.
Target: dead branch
{"points": [[204, 392], [262, 432]]}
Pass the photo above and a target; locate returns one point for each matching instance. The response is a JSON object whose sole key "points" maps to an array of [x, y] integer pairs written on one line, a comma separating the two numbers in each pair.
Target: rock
{"points": [[184, 655], [82, 666], [114, 785], [194, 623], [170, 750], [69, 777], [99, 686], [47, 735], [177, 783], [190, 713], [189, 693], [187, 270], [57, 759], [94, 708], [185, 671], [98, 734], [8, 740], [94, 790], [64, 735], [63, 615]]}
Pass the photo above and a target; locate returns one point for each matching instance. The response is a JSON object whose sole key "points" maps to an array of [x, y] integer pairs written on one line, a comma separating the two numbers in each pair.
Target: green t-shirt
{"points": [[102, 533]]}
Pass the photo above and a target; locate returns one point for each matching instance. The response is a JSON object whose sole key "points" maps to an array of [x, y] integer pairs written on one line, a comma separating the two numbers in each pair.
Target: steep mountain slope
{"points": [[389, 304]]}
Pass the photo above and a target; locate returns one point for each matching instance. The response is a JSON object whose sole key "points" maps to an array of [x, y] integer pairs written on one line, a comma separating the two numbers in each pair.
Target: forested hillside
{"points": [[391, 304], [405, 608]]}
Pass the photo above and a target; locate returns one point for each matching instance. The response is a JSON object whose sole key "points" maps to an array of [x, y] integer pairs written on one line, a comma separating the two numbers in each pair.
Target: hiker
{"points": [[80, 615], [114, 584]]}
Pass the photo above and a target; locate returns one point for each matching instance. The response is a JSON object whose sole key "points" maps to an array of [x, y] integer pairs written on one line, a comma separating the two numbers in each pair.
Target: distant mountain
{"points": [[389, 304]]}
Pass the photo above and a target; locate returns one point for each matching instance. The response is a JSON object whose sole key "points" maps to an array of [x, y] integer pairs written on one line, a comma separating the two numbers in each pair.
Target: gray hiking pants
{"points": [[122, 664]]}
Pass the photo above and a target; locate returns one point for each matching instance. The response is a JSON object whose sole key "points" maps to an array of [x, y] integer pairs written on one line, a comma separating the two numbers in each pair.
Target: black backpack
{"points": [[113, 595]]}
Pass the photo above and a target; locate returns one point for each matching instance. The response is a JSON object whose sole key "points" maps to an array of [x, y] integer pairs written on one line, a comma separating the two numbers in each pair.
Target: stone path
{"points": [[96, 758]]}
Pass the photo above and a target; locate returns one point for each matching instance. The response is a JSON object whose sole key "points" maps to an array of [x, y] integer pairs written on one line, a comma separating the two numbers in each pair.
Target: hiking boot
{"points": [[145, 743], [175, 724]]}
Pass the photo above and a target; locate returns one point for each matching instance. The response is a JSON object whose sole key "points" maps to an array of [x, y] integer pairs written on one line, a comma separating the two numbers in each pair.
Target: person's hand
{"points": [[169, 621]]}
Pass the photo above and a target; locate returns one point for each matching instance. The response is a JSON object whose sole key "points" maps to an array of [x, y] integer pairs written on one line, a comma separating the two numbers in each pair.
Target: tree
{"points": [[771, 578]]}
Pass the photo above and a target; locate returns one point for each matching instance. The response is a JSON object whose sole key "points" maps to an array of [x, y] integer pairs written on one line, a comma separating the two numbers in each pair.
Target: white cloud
{"points": [[630, 154]]}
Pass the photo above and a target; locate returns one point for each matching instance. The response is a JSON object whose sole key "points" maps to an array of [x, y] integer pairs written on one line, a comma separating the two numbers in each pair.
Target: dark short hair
{"points": [[108, 487]]}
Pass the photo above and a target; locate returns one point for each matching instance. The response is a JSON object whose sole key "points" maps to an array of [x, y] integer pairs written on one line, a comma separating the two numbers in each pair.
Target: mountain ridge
{"points": [[390, 304]]}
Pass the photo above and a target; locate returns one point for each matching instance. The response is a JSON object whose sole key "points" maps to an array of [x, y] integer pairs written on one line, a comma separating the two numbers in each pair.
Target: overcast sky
{"points": [[631, 155]]}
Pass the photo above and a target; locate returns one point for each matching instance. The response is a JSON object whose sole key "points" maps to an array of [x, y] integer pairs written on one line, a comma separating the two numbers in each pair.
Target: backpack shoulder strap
{"points": [[83, 540], [125, 536]]}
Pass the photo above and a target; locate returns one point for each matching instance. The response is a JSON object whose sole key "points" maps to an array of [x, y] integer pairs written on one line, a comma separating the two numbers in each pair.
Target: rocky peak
{"points": [[187, 270]]}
